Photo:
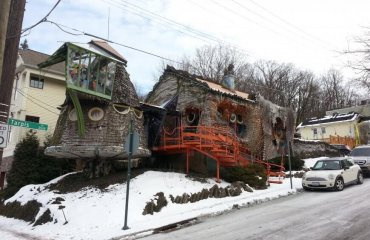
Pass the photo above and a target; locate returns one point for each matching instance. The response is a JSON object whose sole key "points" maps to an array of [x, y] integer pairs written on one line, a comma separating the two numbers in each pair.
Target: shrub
{"points": [[253, 174], [296, 163], [26, 212], [31, 166]]}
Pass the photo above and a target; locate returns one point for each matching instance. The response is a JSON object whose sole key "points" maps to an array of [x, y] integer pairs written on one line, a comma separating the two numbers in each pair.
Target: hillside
{"points": [[95, 210]]}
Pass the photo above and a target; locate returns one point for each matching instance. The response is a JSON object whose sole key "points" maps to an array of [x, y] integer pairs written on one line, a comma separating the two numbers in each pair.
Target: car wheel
{"points": [[360, 178], [306, 188], [339, 184]]}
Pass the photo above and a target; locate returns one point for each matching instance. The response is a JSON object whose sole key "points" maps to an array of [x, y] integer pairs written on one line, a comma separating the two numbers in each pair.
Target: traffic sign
{"points": [[27, 124], [3, 135]]}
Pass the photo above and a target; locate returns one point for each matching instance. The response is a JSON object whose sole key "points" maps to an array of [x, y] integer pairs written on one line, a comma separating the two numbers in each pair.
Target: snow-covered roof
{"points": [[329, 119]]}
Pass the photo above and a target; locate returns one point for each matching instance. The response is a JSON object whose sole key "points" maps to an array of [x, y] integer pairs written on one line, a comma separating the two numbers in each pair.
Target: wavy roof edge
{"points": [[205, 82]]}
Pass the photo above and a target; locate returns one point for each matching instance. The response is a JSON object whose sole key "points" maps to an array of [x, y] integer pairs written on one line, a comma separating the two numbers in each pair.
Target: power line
{"points": [[43, 19], [244, 17], [120, 44], [248, 19], [20, 92], [174, 23], [303, 36], [144, 13], [151, 19], [59, 26], [290, 24]]}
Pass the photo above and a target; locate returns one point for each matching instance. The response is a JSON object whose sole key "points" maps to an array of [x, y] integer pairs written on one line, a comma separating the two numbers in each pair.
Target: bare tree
{"points": [[211, 61], [277, 82], [308, 102], [361, 62], [281, 83]]}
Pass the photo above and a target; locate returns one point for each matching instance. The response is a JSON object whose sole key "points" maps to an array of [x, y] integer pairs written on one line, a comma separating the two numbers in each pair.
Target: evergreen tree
{"points": [[24, 45], [32, 166], [25, 164]]}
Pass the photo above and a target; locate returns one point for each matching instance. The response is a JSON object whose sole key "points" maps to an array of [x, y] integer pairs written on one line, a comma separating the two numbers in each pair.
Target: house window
{"points": [[323, 130], [89, 72], [32, 119], [36, 82], [314, 131]]}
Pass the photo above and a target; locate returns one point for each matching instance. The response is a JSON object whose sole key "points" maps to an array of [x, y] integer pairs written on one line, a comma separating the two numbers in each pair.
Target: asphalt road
{"points": [[307, 215]]}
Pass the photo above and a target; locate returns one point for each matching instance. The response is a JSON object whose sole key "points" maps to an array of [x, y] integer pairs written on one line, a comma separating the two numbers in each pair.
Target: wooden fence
{"points": [[350, 142]]}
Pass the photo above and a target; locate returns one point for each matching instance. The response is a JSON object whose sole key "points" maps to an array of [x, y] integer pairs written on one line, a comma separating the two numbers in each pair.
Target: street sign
{"points": [[27, 124], [135, 142], [3, 135]]}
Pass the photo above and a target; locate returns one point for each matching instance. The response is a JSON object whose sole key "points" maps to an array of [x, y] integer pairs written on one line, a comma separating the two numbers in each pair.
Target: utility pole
{"points": [[4, 15], [10, 54]]}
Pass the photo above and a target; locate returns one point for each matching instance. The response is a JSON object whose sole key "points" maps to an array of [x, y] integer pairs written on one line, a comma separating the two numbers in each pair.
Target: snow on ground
{"points": [[95, 214]]}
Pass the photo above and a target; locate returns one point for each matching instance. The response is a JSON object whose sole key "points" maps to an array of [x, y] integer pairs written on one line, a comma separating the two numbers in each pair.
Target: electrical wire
{"points": [[120, 44], [182, 28], [24, 95], [244, 17], [118, 5], [174, 23], [300, 34], [43, 19], [74, 34], [290, 24], [20, 91]]}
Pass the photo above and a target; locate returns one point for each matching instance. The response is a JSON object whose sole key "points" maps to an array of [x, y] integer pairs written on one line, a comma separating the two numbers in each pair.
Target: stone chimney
{"points": [[228, 80]]}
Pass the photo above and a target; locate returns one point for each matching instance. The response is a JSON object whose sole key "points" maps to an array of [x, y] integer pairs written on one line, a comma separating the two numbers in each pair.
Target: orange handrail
{"points": [[218, 143]]}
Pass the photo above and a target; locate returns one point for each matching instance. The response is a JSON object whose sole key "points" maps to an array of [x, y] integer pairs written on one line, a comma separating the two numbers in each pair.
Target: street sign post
{"points": [[131, 146], [3, 135], [27, 124]]}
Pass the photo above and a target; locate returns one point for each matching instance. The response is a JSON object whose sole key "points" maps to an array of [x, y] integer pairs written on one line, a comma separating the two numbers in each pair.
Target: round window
{"points": [[72, 115], [96, 114]]}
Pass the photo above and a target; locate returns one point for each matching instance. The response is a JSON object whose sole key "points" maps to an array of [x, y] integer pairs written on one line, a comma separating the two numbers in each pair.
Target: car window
{"points": [[318, 165], [360, 152], [327, 165]]}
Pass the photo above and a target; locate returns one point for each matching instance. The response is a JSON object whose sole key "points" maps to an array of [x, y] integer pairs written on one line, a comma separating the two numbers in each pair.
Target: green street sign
{"points": [[27, 124]]}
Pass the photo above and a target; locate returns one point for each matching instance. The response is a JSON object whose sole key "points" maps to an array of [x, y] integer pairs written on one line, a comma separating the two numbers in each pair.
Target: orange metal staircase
{"points": [[217, 143]]}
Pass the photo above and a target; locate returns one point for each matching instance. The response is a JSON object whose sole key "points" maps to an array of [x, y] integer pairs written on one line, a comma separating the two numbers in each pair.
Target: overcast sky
{"points": [[311, 34]]}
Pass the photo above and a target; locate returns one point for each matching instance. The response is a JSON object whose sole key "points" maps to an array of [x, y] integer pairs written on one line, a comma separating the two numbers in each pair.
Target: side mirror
{"points": [[346, 167]]}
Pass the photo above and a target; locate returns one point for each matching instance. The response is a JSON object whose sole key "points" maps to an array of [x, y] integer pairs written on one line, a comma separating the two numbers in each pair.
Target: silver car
{"points": [[361, 156]]}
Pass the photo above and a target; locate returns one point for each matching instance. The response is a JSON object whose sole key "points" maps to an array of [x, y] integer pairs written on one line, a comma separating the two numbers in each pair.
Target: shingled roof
{"points": [[205, 83], [106, 47], [31, 58], [329, 119]]}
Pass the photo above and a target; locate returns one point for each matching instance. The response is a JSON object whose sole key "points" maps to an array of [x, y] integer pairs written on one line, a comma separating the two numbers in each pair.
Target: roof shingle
{"points": [[32, 58]]}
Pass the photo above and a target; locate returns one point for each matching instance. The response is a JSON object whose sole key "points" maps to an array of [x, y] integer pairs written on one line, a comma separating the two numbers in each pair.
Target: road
{"points": [[307, 215]]}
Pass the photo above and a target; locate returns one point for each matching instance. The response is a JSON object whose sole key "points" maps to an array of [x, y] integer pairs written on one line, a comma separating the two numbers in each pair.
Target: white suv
{"points": [[361, 156]]}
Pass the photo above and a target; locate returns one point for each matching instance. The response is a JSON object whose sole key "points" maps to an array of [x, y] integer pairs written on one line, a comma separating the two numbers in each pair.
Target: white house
{"points": [[332, 128], [37, 93]]}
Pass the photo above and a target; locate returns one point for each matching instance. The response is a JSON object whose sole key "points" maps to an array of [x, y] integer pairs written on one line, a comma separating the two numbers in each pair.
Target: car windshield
{"points": [[360, 152], [327, 165]]}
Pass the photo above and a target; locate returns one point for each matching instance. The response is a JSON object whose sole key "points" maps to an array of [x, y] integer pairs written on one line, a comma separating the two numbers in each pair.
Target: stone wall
{"points": [[311, 149]]}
